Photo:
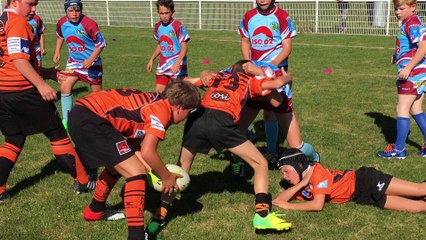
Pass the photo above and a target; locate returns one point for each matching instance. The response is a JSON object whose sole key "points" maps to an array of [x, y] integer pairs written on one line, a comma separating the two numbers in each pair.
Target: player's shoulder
{"points": [[414, 20], [250, 13], [87, 21], [281, 12], [62, 20]]}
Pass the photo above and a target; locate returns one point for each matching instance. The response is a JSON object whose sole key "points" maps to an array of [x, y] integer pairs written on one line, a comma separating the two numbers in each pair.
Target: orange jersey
{"points": [[17, 41], [228, 92], [132, 112], [338, 186]]}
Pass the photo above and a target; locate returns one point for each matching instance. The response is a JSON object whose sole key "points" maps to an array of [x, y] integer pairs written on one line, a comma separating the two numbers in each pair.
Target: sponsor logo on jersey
{"points": [[156, 123], [323, 184], [139, 133], [220, 96], [122, 147], [18, 45]]}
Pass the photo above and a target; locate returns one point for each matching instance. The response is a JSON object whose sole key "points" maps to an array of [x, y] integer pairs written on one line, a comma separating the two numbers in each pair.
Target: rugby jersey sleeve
{"points": [[321, 180], [416, 31], [18, 40], [157, 117]]}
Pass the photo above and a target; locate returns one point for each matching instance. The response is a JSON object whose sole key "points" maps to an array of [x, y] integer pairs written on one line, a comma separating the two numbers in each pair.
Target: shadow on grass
{"points": [[49, 169], [388, 127]]}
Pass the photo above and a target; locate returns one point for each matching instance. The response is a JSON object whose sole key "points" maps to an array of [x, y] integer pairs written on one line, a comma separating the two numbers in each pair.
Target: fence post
{"points": [[151, 15], [107, 12], [199, 15], [388, 18], [316, 15]]}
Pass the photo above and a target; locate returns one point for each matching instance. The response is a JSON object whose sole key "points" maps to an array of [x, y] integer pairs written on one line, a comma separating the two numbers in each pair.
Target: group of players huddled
{"points": [[119, 129]]}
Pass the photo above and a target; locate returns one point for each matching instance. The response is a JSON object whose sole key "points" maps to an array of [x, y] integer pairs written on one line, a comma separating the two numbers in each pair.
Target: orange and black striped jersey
{"points": [[228, 92], [132, 112], [17, 41]]}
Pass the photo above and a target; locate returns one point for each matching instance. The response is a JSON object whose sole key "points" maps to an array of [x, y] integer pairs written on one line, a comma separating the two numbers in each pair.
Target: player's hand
{"points": [[175, 67], [46, 92], [307, 176], [43, 52], [56, 58], [393, 58], [250, 68], [404, 74], [87, 63], [169, 184], [149, 66]]}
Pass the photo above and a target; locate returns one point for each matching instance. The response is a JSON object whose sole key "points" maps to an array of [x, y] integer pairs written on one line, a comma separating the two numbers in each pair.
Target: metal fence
{"points": [[310, 16]]}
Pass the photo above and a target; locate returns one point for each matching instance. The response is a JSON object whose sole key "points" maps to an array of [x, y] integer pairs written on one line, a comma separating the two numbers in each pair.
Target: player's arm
{"points": [[245, 48], [58, 46], [153, 56], [42, 45], [184, 49], [27, 70], [277, 82], [96, 53], [418, 56], [275, 98], [149, 154], [287, 47], [317, 204]]}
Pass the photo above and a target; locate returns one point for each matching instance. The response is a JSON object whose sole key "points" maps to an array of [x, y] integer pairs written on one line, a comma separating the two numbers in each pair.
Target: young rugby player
{"points": [[368, 186], [109, 126], [411, 80], [85, 43], [38, 30], [26, 101], [216, 126], [266, 36], [172, 47]]}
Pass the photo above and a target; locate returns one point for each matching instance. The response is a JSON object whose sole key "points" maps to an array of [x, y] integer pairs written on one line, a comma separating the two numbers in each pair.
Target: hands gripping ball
{"points": [[182, 182]]}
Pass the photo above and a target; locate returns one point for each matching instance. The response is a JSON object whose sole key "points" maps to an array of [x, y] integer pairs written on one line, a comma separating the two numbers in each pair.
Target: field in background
{"points": [[347, 116]]}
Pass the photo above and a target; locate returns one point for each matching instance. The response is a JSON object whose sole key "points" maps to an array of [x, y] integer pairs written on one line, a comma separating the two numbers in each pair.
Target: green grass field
{"points": [[347, 116]]}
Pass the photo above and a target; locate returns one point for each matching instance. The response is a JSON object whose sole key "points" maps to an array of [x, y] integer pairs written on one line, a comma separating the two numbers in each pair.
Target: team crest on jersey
{"points": [[323, 184], [156, 123], [401, 33], [220, 96], [81, 32], [274, 26], [122, 147], [139, 133], [172, 33]]}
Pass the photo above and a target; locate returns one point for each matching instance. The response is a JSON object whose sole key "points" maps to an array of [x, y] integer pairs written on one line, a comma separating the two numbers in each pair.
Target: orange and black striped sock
{"points": [[263, 204], [134, 204], [8, 155], [104, 185], [65, 153]]}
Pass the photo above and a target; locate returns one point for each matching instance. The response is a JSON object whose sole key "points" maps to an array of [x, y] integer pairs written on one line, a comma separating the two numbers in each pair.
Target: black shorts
{"points": [[206, 129], [371, 186], [97, 142], [27, 113]]}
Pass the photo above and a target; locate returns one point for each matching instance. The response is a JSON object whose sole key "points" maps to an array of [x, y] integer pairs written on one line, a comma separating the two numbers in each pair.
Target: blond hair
{"points": [[397, 3]]}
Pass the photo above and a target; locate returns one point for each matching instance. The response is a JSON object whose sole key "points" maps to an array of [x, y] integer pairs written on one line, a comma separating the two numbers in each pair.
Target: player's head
{"points": [[292, 164], [165, 10], [397, 3], [238, 66], [73, 4], [265, 5], [183, 97], [25, 8]]}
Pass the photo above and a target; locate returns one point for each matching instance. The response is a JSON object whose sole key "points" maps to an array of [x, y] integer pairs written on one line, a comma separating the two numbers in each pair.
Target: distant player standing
{"points": [[172, 47], [85, 43], [411, 81], [38, 30], [266, 36]]}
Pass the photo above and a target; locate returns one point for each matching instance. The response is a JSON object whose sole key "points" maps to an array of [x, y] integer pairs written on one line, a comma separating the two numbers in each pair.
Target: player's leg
{"points": [[291, 130], [66, 85], [263, 219], [397, 150], [9, 153], [159, 219], [161, 82], [404, 204], [420, 118], [66, 155], [400, 187], [271, 132]]}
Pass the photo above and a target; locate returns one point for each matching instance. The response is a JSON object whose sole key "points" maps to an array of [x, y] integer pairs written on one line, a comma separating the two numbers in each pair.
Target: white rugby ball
{"points": [[182, 182], [268, 71]]}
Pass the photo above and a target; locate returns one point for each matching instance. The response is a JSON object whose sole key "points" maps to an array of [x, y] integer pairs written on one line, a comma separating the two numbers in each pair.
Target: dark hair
{"points": [[295, 158], [183, 94], [165, 3], [238, 66]]}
